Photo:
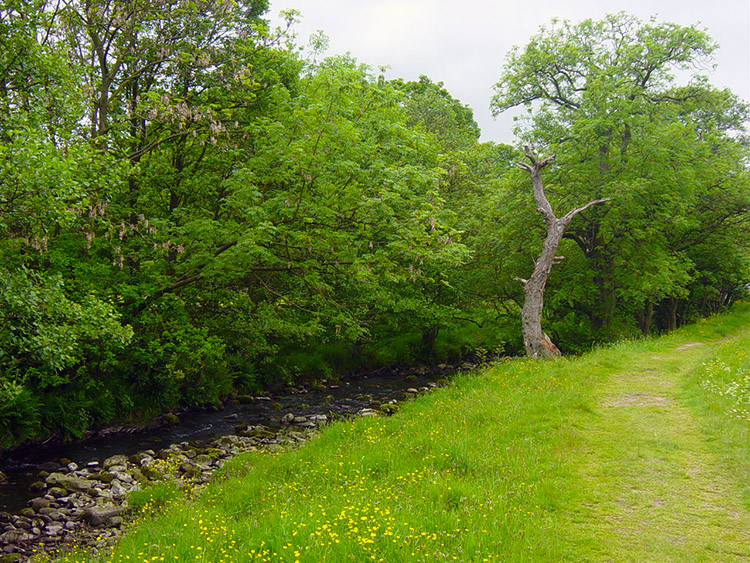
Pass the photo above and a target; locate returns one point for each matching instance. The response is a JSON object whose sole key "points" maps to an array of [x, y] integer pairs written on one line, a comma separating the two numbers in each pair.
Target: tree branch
{"points": [[573, 212]]}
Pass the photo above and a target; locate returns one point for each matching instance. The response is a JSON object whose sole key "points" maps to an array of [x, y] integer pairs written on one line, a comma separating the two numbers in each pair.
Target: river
{"points": [[21, 466]]}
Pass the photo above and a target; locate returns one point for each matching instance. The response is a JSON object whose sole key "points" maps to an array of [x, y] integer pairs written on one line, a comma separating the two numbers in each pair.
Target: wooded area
{"points": [[191, 208]]}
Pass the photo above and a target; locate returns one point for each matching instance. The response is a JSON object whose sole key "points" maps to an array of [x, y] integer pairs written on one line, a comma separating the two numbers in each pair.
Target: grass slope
{"points": [[625, 454]]}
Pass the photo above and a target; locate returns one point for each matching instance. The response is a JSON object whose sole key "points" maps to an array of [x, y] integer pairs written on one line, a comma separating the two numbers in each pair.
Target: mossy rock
{"points": [[105, 477], [389, 408], [191, 471], [245, 399], [171, 419], [37, 487], [10, 557], [152, 473], [203, 459], [57, 492]]}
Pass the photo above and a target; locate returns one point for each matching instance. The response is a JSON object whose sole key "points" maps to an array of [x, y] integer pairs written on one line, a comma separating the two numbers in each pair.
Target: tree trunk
{"points": [[427, 345], [646, 317], [536, 342], [672, 314]]}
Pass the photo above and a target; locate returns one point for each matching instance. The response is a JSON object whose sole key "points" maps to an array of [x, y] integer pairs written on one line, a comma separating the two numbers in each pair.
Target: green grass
{"points": [[605, 457]]}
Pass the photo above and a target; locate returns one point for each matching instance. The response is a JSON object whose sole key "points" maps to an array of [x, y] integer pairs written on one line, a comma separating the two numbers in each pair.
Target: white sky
{"points": [[463, 44]]}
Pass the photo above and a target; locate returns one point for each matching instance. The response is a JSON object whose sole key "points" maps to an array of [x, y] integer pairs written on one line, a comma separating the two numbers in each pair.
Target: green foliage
{"points": [[670, 157], [19, 414], [188, 208], [45, 335]]}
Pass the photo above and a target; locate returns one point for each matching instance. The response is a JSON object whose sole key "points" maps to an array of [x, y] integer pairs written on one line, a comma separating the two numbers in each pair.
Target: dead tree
{"points": [[536, 342]]}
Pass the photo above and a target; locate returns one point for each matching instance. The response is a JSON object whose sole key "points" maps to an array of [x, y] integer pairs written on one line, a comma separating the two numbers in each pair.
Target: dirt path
{"points": [[654, 489]]}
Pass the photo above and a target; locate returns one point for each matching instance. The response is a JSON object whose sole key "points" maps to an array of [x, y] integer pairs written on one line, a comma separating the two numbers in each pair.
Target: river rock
{"points": [[39, 502], [57, 492], [288, 418], [105, 477], [203, 460], [368, 412], [142, 458], [171, 419], [15, 537], [118, 459], [54, 529], [37, 487], [53, 513], [123, 476], [101, 515], [3, 477], [118, 491], [70, 482]]}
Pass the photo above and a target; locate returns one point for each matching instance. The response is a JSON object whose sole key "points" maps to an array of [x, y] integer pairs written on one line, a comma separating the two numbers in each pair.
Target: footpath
{"points": [[654, 487]]}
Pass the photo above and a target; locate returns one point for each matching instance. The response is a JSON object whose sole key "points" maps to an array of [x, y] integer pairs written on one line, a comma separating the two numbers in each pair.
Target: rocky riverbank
{"points": [[87, 506]]}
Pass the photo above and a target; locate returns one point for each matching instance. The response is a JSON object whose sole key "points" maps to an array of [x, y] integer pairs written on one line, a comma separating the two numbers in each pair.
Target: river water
{"points": [[21, 466]]}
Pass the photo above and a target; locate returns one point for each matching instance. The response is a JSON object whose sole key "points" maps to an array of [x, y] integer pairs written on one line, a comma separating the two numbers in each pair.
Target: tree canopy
{"points": [[190, 209]]}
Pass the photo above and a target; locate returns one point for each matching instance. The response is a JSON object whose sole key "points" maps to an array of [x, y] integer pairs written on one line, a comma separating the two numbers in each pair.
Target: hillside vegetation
{"points": [[633, 452], [191, 206]]}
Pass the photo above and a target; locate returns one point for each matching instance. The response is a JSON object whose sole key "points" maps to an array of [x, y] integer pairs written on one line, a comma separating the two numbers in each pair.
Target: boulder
{"points": [[203, 459], [54, 529], [69, 482], [105, 477], [57, 492], [38, 503], [118, 459], [37, 487], [100, 515], [123, 476]]}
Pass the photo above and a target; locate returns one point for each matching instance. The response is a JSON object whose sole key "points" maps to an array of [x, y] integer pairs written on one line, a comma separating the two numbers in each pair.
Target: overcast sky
{"points": [[463, 43]]}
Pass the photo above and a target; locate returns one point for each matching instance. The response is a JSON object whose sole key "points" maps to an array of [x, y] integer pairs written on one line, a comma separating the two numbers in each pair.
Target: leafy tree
{"points": [[603, 98]]}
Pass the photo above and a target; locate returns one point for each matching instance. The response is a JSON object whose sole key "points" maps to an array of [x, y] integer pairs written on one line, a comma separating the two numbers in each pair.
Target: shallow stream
{"points": [[22, 466]]}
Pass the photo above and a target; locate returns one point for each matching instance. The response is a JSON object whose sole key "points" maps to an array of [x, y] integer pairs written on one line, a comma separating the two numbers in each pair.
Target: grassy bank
{"points": [[524, 462]]}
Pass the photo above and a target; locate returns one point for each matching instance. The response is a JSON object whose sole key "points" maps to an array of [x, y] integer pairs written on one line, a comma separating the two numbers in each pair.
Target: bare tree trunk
{"points": [[536, 342]]}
